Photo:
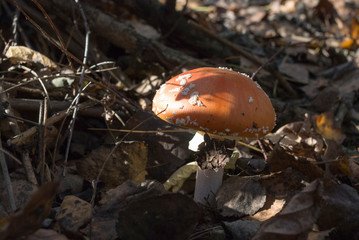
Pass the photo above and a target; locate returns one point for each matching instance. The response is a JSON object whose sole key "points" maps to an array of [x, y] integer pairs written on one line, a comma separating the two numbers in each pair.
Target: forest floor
{"points": [[84, 157]]}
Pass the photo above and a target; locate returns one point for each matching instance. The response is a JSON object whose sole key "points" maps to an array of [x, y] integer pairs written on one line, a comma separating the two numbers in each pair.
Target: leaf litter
{"points": [[307, 187]]}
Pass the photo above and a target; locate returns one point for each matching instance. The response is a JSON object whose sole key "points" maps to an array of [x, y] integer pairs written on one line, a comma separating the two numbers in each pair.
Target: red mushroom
{"points": [[217, 101]]}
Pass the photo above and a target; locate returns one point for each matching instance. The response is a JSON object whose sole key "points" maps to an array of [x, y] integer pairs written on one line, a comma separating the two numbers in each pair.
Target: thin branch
{"points": [[15, 26], [54, 28], [48, 37], [5, 174], [30, 174], [18, 139], [84, 62]]}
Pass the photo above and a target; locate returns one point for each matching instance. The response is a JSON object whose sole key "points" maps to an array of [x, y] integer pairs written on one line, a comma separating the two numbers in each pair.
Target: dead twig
{"points": [[21, 137], [58, 35], [79, 91], [5, 174], [54, 42], [42, 133], [30, 174]]}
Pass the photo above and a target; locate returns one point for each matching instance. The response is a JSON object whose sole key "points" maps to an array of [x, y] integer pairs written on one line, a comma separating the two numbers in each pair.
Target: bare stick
{"points": [[268, 61], [15, 26], [30, 174], [7, 180], [54, 28], [50, 121], [42, 134], [84, 62], [68, 54], [263, 151], [11, 156]]}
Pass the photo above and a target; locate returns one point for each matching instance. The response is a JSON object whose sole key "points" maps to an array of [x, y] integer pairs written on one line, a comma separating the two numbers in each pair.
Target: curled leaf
{"points": [[22, 54], [297, 217]]}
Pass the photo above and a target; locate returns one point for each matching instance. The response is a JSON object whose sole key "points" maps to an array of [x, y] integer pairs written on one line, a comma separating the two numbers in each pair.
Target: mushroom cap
{"points": [[217, 101]]}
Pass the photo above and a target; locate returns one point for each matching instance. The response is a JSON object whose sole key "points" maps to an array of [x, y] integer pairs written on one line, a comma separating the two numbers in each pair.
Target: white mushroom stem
{"points": [[208, 181]]}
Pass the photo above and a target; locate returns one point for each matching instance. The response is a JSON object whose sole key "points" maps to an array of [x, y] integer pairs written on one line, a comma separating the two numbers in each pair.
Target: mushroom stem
{"points": [[208, 181]]}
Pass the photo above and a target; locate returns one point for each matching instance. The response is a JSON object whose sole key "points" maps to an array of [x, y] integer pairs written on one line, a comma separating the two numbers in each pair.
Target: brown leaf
{"points": [[283, 183], [104, 222], [242, 229], [273, 210], [299, 138], [103, 228], [34, 213], [340, 167], [280, 159], [354, 169], [172, 146], [297, 72], [347, 82], [296, 218], [325, 100], [127, 162], [168, 216], [325, 11], [23, 54], [340, 211], [45, 234], [240, 196], [322, 235]]}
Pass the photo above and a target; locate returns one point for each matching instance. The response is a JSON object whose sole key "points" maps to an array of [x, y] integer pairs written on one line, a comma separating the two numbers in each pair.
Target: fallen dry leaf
{"points": [[340, 210], [273, 210], [240, 196], [127, 162], [30, 218], [296, 218], [242, 229], [45, 234], [325, 126], [280, 159], [282, 183], [168, 216], [322, 235], [172, 146], [297, 72], [347, 82], [104, 224], [325, 100], [22, 54], [354, 169]]}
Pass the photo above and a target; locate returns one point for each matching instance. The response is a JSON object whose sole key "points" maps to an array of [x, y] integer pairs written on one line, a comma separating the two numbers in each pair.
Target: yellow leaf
{"points": [[326, 127], [348, 44]]}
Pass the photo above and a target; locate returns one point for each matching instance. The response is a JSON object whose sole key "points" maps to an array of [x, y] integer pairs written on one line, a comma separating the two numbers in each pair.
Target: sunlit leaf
{"points": [[326, 127]]}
